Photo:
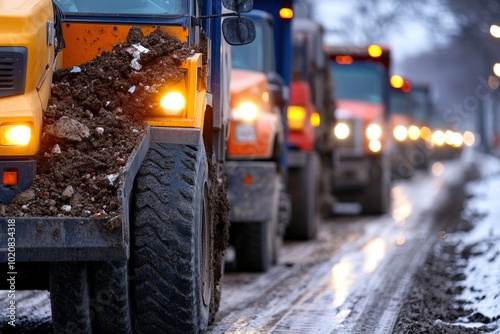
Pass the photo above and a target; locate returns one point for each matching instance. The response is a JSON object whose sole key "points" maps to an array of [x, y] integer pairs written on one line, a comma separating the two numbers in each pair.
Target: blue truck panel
{"points": [[282, 35]]}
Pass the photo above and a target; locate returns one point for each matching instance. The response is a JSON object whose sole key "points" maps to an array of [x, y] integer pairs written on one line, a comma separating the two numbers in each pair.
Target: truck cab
{"points": [[362, 162]]}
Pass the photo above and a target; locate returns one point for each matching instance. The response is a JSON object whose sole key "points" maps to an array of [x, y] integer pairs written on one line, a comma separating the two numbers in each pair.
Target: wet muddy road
{"points": [[352, 279]]}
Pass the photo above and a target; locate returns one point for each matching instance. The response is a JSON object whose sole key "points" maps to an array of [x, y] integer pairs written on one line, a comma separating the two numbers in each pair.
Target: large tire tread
{"points": [[253, 250], [70, 298], [169, 181]]}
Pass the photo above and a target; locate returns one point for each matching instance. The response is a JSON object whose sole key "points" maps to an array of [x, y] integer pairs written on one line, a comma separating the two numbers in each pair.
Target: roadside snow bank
{"points": [[482, 284]]}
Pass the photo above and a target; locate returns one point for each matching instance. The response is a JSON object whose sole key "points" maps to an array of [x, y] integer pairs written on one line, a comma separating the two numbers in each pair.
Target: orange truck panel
{"points": [[250, 86]]}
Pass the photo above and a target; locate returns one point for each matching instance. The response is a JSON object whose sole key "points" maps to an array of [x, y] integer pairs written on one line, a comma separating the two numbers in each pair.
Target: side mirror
{"points": [[279, 90], [239, 6], [238, 30]]}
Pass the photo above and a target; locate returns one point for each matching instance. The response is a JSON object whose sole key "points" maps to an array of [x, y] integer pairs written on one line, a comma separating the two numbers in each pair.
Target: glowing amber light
{"points": [[15, 135], [173, 103], [286, 13], [397, 81], [344, 60], [296, 118], [374, 51], [315, 119], [9, 178]]}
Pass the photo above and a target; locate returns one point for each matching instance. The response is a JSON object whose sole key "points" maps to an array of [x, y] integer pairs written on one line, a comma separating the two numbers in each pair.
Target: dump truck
{"points": [[362, 171], [311, 120], [259, 203], [156, 266]]}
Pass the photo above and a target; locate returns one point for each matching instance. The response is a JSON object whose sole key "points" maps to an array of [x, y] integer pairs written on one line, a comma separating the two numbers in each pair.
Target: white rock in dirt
{"points": [[68, 193], [75, 69], [99, 130], [66, 208], [131, 89], [56, 149], [112, 178], [69, 129], [140, 48]]}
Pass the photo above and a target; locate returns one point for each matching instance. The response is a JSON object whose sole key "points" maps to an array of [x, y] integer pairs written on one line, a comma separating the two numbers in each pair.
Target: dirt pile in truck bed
{"points": [[92, 124]]}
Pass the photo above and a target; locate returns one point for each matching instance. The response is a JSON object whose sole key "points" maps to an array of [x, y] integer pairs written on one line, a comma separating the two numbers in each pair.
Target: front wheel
{"points": [[377, 196], [172, 245]]}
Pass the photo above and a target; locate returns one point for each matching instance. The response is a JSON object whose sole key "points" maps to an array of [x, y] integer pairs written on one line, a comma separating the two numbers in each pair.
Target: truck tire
{"points": [[111, 299], [70, 298], [303, 187], [254, 246], [171, 245], [376, 199]]}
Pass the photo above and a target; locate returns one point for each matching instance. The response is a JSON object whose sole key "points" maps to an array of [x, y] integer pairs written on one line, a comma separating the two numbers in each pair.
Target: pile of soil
{"points": [[93, 122]]}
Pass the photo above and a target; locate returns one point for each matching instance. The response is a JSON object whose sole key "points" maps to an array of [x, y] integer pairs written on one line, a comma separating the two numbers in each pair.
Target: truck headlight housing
{"points": [[341, 131], [173, 103], [373, 131], [246, 111], [15, 135]]}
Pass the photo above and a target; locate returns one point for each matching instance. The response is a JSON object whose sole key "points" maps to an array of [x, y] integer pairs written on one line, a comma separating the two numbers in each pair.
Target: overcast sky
{"points": [[408, 39]]}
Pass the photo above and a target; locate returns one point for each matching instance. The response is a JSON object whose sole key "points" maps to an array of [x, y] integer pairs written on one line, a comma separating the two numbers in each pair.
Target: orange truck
{"points": [[363, 142], [259, 203]]}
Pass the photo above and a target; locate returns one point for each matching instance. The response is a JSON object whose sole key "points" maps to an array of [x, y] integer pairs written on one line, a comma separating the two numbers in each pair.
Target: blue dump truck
{"points": [[155, 266]]}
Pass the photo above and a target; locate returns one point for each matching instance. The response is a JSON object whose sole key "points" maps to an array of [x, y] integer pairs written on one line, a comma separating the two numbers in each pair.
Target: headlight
{"points": [[296, 118], [246, 111], [15, 135], [413, 132], [375, 145], [458, 139], [438, 138], [341, 130], [173, 103], [448, 137], [468, 138], [373, 131], [400, 133]]}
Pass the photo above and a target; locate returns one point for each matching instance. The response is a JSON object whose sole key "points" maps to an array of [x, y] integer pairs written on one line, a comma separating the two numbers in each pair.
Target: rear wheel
{"points": [[303, 187], [254, 246]]}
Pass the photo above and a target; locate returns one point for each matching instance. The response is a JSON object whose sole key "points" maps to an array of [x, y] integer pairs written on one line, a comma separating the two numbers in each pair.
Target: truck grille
{"points": [[354, 143], [13, 62]]}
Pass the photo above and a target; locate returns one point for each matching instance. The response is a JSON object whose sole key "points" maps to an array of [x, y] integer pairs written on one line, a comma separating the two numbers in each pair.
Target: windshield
{"points": [[420, 104], [399, 102], [358, 82], [123, 7], [250, 56]]}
